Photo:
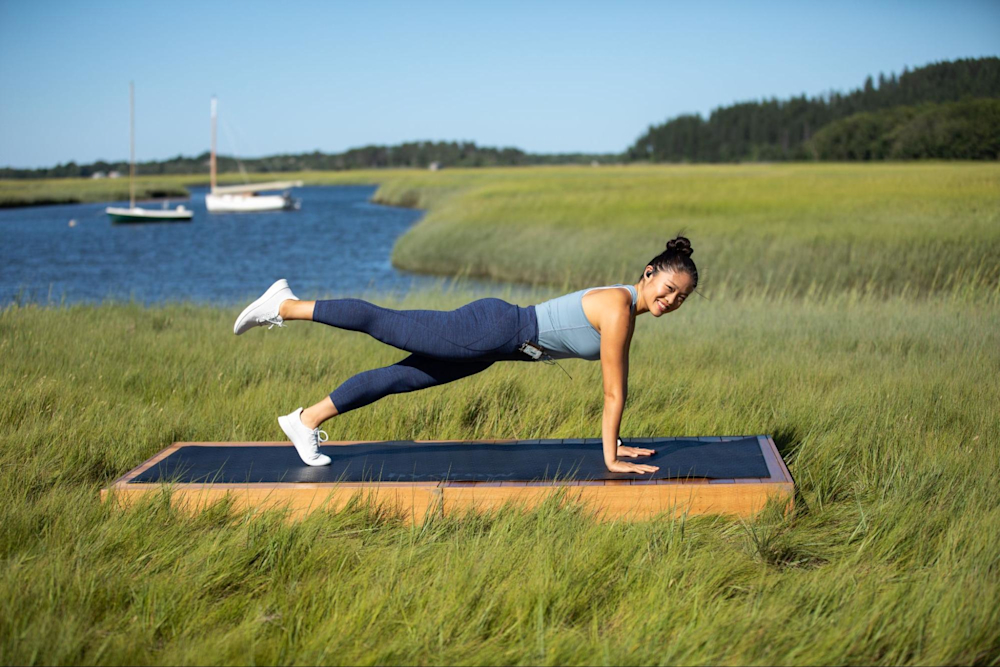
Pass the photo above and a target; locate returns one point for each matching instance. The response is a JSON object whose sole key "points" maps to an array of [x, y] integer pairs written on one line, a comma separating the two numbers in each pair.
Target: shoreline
{"points": [[53, 193], [70, 202], [787, 229]]}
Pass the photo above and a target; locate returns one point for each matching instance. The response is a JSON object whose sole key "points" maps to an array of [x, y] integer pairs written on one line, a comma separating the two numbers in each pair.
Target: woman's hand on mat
{"points": [[632, 452], [625, 466]]}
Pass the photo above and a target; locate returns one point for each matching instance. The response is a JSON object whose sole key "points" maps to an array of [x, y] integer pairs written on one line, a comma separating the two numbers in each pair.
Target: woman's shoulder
{"points": [[603, 302], [613, 294], [604, 294]]}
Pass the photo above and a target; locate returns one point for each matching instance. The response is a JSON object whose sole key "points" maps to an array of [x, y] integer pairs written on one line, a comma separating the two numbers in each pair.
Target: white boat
{"points": [[134, 213], [246, 198]]}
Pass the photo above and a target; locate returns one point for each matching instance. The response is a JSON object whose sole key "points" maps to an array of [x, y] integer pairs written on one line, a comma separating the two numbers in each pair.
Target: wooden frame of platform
{"points": [[630, 499]]}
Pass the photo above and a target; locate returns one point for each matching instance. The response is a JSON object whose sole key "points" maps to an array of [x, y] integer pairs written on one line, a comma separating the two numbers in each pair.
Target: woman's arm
{"points": [[615, 338]]}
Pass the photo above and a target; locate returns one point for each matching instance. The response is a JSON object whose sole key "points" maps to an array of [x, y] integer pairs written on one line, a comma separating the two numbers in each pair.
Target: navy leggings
{"points": [[444, 346]]}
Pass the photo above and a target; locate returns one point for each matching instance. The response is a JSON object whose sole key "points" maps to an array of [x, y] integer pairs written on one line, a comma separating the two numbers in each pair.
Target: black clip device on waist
{"points": [[532, 350]]}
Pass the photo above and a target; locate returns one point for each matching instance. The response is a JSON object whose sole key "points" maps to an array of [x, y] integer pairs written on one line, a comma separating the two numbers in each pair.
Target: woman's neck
{"points": [[640, 302]]}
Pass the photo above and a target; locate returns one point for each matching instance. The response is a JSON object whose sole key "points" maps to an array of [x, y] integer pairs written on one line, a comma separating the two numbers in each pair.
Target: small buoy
{"points": [[72, 223]]}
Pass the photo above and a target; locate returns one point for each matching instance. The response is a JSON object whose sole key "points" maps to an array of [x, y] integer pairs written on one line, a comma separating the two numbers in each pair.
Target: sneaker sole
{"points": [[271, 291]]}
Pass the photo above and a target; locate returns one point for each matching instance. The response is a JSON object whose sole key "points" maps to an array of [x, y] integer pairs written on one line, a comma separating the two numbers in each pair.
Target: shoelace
{"points": [[275, 321], [319, 437]]}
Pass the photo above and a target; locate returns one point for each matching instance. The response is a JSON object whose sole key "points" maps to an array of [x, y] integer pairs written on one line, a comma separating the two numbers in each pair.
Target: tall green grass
{"points": [[884, 408], [890, 229]]}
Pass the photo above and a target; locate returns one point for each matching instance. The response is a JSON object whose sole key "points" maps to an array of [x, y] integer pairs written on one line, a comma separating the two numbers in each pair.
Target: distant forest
{"points": [[419, 154], [948, 110]]}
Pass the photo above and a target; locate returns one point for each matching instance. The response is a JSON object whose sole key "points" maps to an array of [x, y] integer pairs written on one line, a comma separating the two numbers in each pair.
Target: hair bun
{"points": [[681, 246]]}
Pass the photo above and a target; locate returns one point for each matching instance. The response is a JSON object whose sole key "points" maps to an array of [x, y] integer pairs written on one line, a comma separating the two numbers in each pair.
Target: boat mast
{"points": [[211, 162], [131, 144]]}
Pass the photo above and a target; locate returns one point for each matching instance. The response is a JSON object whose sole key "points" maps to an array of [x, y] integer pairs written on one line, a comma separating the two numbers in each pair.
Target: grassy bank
{"points": [[15, 193], [885, 410], [892, 229], [40, 192]]}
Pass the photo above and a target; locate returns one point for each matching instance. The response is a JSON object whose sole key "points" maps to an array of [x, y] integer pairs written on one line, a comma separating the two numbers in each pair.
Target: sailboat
{"points": [[246, 198], [133, 213]]}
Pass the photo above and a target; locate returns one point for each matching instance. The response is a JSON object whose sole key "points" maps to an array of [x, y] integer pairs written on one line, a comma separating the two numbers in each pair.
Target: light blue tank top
{"points": [[564, 331]]}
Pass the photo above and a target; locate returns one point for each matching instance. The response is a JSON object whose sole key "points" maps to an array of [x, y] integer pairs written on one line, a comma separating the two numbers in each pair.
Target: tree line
{"points": [[966, 130], [417, 154], [946, 110], [876, 121]]}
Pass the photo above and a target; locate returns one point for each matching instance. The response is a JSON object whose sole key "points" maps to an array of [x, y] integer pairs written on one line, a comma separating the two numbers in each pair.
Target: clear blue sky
{"points": [[329, 75]]}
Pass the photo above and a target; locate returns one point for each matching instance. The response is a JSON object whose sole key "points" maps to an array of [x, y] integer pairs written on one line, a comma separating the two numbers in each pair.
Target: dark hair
{"points": [[677, 258]]}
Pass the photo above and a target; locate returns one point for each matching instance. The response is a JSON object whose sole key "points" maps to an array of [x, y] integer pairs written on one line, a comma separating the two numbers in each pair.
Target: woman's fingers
{"points": [[634, 451], [625, 466]]}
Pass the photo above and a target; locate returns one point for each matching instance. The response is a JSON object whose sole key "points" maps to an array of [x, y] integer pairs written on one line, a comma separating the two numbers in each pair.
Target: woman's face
{"points": [[665, 291]]}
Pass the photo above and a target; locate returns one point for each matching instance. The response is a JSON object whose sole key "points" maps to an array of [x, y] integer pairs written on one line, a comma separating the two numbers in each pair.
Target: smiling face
{"points": [[665, 291]]}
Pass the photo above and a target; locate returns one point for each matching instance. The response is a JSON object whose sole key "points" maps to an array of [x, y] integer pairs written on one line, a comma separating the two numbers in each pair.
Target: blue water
{"points": [[338, 243]]}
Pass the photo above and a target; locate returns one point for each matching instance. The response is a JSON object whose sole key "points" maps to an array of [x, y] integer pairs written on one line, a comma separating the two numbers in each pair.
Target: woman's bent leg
{"points": [[413, 373], [316, 414], [481, 329]]}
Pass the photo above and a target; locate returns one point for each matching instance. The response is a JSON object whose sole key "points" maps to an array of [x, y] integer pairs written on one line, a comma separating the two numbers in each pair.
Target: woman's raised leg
{"points": [[487, 328], [293, 309]]}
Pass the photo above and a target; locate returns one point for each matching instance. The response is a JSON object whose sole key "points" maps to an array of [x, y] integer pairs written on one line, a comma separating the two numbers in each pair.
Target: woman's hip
{"points": [[493, 328]]}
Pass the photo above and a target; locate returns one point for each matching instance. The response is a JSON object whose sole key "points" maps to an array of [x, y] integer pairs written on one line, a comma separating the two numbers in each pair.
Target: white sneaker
{"points": [[306, 440], [265, 309]]}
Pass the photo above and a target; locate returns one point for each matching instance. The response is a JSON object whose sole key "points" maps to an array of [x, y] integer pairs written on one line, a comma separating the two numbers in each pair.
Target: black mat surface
{"points": [[407, 461]]}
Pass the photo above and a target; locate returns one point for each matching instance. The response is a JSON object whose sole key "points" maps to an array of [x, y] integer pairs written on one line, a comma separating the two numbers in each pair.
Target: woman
{"points": [[595, 323]]}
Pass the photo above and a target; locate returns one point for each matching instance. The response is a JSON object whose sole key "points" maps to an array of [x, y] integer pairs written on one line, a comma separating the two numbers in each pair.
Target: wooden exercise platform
{"points": [[725, 475]]}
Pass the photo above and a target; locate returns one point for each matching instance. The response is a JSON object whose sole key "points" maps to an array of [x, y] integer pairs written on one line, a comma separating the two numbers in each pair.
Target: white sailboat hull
{"points": [[248, 203]]}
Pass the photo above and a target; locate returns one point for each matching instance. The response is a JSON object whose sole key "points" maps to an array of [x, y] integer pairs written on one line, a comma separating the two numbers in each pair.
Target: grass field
{"points": [[885, 410], [853, 313]]}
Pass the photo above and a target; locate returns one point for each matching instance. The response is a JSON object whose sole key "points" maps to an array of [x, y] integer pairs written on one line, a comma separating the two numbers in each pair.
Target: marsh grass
{"points": [[884, 408], [37, 192], [892, 229]]}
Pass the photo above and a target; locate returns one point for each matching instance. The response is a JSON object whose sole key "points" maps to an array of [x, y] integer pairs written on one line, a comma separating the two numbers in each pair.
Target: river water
{"points": [[338, 243]]}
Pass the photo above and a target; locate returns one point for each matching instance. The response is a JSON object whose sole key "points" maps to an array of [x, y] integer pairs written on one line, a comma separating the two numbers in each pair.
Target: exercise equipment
{"points": [[732, 474]]}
